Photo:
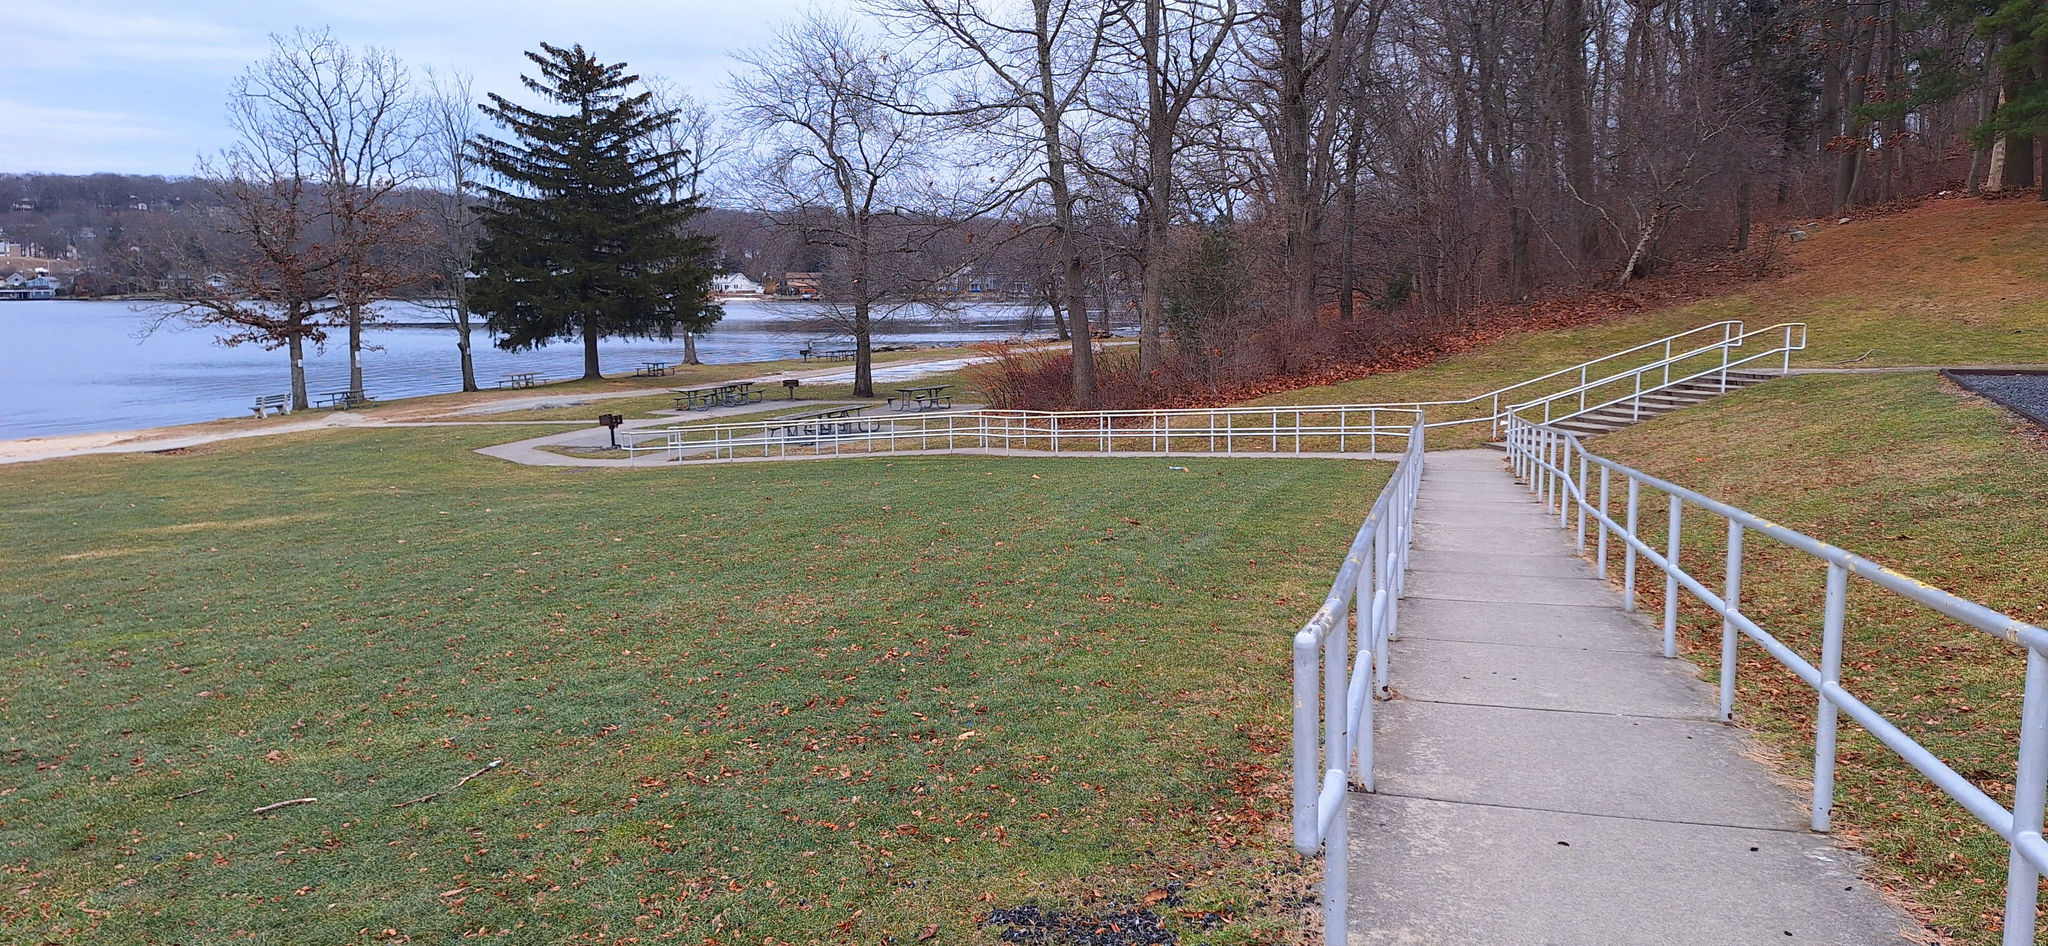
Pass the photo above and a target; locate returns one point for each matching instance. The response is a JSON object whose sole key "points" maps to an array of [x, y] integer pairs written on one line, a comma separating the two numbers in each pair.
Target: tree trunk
{"points": [[355, 349], [863, 350], [1574, 87], [590, 372], [1063, 211], [1291, 159], [1742, 222], [297, 346], [690, 348], [462, 330], [1850, 164], [1521, 262], [1159, 194], [2040, 75]]}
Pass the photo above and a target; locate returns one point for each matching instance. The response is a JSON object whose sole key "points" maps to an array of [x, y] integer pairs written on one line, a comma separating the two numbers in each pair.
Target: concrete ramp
{"points": [[1547, 777]]}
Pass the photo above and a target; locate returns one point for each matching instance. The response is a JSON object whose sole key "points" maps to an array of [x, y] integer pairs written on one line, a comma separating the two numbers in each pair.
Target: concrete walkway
{"points": [[1546, 776]]}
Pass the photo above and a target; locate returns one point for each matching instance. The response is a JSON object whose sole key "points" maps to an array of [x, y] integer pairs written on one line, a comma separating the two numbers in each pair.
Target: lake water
{"points": [[79, 367]]}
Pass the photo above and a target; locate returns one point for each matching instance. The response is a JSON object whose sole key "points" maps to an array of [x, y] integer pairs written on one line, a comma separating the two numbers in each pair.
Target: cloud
{"points": [[139, 85], [76, 36], [63, 140]]}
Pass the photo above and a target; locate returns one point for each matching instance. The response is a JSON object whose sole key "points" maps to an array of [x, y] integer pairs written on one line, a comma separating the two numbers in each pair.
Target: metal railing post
{"points": [[1601, 525], [1628, 568], [1671, 569], [1565, 484], [1733, 596], [1830, 676], [1306, 784], [2029, 797], [1336, 863], [1581, 503]]}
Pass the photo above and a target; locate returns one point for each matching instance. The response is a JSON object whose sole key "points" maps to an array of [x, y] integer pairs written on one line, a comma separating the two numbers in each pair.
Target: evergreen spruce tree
{"points": [[582, 239]]}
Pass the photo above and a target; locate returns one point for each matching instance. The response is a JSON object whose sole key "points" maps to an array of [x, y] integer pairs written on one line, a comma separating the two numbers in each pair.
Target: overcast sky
{"points": [[140, 86]]}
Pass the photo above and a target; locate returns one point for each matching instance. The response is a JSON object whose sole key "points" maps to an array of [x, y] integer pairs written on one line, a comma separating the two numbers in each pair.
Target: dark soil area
{"points": [[1041, 927], [2024, 393]]}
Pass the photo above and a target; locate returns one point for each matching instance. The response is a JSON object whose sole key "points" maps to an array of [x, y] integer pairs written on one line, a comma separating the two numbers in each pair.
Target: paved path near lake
{"points": [[1546, 776]]}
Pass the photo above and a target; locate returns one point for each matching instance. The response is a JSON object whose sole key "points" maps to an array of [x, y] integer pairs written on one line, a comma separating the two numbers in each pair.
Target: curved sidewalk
{"points": [[1546, 776]]}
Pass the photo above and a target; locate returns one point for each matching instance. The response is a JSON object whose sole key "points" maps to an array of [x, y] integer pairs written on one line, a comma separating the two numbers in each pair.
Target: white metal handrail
{"points": [[1560, 471], [1229, 431], [1285, 429], [1334, 688], [1729, 330], [1791, 337]]}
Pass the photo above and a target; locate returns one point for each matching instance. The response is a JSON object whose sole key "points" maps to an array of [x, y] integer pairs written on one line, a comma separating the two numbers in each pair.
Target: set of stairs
{"points": [[1658, 402]]}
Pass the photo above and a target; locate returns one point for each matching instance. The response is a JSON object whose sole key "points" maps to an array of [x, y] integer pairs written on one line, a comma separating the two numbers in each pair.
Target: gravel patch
{"points": [[2025, 394]]}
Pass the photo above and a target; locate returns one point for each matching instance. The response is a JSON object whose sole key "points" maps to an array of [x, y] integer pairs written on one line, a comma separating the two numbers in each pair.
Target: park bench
{"points": [[280, 403], [343, 400]]}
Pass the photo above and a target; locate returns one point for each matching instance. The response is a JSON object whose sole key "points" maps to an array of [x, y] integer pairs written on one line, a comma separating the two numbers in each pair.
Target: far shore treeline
{"points": [[1263, 188]]}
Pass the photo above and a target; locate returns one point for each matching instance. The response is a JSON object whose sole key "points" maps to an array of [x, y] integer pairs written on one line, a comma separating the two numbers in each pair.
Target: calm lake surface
{"points": [[80, 367]]}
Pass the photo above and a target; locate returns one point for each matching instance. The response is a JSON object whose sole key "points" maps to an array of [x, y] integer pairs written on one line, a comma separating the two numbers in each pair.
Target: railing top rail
{"points": [[1723, 324], [1992, 622], [1561, 372], [1319, 623], [1784, 328], [1390, 423]]}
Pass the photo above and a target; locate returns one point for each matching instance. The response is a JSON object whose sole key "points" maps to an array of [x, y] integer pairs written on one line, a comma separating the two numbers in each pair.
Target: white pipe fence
{"points": [[1335, 685], [1709, 365], [1562, 473], [1322, 428], [1259, 431]]}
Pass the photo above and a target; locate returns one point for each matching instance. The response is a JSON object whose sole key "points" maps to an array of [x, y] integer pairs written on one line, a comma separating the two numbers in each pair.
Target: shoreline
{"points": [[400, 411]]}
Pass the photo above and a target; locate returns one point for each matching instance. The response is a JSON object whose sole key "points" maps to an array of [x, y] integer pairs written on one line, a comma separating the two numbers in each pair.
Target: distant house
{"points": [[802, 285], [40, 286], [734, 284]]}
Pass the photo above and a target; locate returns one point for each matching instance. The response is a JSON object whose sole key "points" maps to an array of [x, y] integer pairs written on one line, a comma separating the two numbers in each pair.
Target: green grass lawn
{"points": [[1911, 472], [844, 701]]}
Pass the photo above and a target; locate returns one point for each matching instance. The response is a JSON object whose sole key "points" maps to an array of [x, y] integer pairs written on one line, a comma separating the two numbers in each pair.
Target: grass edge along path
{"points": [[855, 701], [1909, 471]]}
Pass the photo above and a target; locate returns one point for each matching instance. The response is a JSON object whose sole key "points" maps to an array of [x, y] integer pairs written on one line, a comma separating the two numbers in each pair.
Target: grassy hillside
{"points": [[866, 701], [1949, 282], [1914, 473]]}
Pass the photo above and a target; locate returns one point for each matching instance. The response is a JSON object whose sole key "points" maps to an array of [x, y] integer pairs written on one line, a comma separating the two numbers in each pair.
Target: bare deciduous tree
{"points": [[839, 165], [1028, 69], [448, 120], [348, 114]]}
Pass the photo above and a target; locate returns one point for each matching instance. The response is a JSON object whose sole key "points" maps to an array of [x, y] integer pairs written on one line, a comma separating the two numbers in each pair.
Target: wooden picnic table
{"points": [[654, 369], [838, 420], [342, 400], [726, 395], [695, 398], [520, 379], [921, 398]]}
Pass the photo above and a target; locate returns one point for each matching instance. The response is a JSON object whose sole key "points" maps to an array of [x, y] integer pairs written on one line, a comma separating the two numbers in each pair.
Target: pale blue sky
{"points": [[141, 87]]}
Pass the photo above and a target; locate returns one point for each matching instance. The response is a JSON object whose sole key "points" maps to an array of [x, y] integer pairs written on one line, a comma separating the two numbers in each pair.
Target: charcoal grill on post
{"points": [[612, 422]]}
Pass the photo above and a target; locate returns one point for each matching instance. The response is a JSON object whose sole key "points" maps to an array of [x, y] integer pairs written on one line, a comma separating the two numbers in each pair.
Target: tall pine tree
{"points": [[581, 238]]}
